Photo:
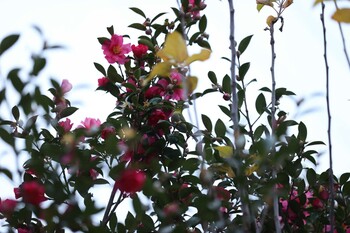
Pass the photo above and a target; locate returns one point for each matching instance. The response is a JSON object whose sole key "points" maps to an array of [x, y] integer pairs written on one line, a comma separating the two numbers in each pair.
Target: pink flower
{"points": [[103, 81], [153, 91], [156, 116], [7, 206], [90, 123], [32, 192], [132, 82], [130, 181], [24, 230], [109, 130], [139, 50], [114, 50], [66, 125], [66, 86]]}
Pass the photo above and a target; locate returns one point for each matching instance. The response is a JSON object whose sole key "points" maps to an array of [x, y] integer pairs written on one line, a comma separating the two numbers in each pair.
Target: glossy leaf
{"points": [[68, 111], [260, 103], [302, 132], [138, 26], [212, 77], [207, 122], [15, 113], [100, 68], [244, 44], [39, 64], [226, 84], [202, 24], [16, 80], [138, 11], [243, 69], [220, 128], [113, 75]]}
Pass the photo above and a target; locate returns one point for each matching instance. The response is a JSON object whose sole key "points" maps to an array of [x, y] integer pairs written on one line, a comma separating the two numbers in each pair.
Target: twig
{"points": [[331, 182], [342, 37], [106, 215], [273, 124]]}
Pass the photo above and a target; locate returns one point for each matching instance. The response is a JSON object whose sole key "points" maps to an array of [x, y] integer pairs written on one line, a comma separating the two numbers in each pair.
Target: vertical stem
{"points": [[273, 126], [109, 206], [242, 189], [331, 181]]}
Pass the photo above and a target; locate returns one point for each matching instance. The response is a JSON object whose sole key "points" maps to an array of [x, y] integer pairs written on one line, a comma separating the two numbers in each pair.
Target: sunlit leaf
{"points": [[224, 151], [191, 82]]}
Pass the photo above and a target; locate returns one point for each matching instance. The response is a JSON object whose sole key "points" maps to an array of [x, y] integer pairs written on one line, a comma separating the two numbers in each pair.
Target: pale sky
{"points": [[299, 65]]}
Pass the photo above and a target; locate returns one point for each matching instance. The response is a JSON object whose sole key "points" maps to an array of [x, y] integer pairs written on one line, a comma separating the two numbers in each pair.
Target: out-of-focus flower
{"points": [[66, 86], [102, 81], [174, 53], [115, 51], [139, 51], [66, 125], [32, 192], [109, 130], [7, 207], [24, 230], [90, 124], [130, 181]]}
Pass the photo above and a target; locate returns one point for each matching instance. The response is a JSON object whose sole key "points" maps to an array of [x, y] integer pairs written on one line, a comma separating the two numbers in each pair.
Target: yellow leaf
{"points": [[225, 151], [270, 20], [191, 82], [287, 3], [175, 49], [202, 56], [251, 169], [222, 168], [342, 15], [317, 2], [160, 69], [259, 6]]}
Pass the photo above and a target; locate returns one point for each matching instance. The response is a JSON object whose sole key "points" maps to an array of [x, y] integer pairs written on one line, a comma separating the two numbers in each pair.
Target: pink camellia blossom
{"points": [[7, 207], [66, 86], [130, 181], [109, 130], [24, 230], [154, 91], [103, 81], [156, 116], [90, 123], [114, 50], [66, 125], [32, 192], [139, 50]]}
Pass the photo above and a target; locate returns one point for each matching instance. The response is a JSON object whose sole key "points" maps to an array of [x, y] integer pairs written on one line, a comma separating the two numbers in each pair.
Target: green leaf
{"points": [[39, 64], [220, 128], [212, 77], [113, 222], [138, 26], [207, 123], [138, 11], [100, 68], [260, 103], [7, 42], [346, 189], [244, 44], [15, 80], [243, 69], [225, 110], [68, 111], [110, 30], [344, 178], [102, 40], [7, 137], [113, 75], [302, 131], [15, 113], [31, 121], [226, 84], [147, 42], [157, 16], [202, 24], [311, 176]]}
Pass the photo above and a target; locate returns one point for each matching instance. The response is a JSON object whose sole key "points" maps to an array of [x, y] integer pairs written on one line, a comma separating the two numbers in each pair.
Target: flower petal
{"points": [[160, 69], [202, 56], [174, 48]]}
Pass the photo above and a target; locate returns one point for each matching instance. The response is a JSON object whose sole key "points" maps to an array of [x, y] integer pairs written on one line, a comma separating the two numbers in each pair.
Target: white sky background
{"points": [[299, 65]]}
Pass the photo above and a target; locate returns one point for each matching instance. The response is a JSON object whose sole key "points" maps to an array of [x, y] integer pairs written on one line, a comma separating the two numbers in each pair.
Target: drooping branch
{"points": [[331, 182]]}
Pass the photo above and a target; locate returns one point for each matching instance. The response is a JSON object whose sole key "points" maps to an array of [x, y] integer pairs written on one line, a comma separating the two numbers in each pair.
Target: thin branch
{"points": [[106, 215], [234, 115], [273, 124], [342, 37], [331, 182]]}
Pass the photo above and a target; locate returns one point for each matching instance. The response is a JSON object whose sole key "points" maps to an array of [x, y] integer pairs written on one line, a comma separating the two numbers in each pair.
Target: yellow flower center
{"points": [[116, 49]]}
